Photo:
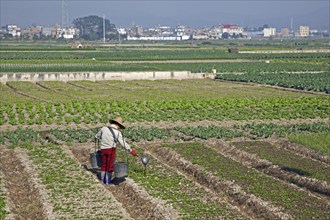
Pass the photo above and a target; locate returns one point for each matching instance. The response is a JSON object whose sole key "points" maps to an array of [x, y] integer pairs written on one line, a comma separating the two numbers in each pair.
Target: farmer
{"points": [[109, 137]]}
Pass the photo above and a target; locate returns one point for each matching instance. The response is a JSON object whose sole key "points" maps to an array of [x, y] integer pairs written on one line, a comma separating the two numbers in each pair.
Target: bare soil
{"points": [[25, 200], [168, 124]]}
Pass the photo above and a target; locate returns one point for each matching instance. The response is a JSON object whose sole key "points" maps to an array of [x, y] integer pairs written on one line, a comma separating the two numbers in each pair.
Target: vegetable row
{"points": [[293, 163], [84, 112], [319, 81], [72, 193], [59, 91], [195, 67], [137, 133], [295, 202], [156, 54]]}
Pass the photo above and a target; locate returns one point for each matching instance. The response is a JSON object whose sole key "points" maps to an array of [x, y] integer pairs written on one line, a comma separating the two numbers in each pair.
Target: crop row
{"points": [[319, 82], [196, 67], [295, 202], [58, 91], [136, 134], [165, 110], [72, 193], [251, 130], [287, 161], [156, 54], [184, 195]]}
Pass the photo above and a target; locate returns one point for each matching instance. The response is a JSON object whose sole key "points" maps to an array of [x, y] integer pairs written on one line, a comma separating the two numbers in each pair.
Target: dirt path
{"points": [[168, 124], [25, 199]]}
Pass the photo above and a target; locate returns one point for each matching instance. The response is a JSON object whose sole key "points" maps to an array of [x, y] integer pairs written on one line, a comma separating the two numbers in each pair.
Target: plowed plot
{"points": [[170, 189], [282, 199]]}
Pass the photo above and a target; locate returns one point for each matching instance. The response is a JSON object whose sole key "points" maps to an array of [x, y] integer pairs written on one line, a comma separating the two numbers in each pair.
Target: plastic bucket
{"points": [[121, 169], [96, 159]]}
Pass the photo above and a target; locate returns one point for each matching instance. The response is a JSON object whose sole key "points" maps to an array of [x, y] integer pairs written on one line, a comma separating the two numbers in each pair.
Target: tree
{"points": [[91, 27], [263, 27], [225, 35]]}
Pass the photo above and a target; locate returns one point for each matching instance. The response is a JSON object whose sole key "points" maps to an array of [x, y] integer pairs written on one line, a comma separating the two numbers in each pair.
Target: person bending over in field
{"points": [[108, 138]]}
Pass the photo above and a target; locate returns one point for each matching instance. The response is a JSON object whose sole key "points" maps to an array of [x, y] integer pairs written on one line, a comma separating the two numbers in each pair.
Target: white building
{"points": [[13, 30], [304, 31], [269, 32], [66, 33], [180, 31], [122, 31], [232, 29], [47, 31]]}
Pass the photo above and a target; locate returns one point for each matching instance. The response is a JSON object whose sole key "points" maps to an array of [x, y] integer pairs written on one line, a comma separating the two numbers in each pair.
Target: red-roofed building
{"points": [[232, 29]]}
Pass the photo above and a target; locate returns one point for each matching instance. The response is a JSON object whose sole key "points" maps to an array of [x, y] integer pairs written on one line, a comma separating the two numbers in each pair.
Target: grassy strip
{"points": [[295, 202], [183, 194], [286, 160], [319, 142], [73, 193]]}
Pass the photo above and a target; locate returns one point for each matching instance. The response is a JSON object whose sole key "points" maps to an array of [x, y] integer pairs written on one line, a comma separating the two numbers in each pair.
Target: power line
{"points": [[65, 14]]}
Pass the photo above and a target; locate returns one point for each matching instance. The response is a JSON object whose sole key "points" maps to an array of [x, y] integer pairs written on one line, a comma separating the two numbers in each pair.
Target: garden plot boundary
{"points": [[94, 76]]}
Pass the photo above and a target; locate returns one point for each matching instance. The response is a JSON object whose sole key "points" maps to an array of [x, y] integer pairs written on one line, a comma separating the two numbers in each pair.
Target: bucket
{"points": [[96, 159], [121, 169]]}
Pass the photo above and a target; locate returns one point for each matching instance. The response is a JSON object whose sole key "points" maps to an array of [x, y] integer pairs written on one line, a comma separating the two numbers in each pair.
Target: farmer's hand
{"points": [[134, 153]]}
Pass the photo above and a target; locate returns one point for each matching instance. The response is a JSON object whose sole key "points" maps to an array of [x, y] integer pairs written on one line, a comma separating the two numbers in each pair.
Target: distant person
{"points": [[109, 136]]}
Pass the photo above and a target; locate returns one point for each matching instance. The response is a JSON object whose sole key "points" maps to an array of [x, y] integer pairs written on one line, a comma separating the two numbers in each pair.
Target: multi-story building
{"points": [[35, 30], [215, 32], [285, 32], [69, 33], [304, 31], [136, 31], [47, 31], [232, 29], [180, 31], [269, 32], [13, 30]]}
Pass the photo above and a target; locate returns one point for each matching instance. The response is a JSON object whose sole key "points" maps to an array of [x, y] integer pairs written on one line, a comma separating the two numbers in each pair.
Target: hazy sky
{"points": [[197, 13]]}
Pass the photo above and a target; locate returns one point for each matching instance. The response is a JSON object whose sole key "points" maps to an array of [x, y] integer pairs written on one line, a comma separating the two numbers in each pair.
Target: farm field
{"points": [[218, 149]]}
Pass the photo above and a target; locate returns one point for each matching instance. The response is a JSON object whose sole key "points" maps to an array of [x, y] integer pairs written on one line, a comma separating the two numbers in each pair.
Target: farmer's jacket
{"points": [[106, 138]]}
